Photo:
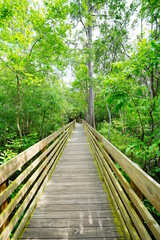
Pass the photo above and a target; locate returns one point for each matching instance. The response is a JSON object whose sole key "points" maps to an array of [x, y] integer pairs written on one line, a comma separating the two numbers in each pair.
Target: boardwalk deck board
{"points": [[72, 232], [74, 204]]}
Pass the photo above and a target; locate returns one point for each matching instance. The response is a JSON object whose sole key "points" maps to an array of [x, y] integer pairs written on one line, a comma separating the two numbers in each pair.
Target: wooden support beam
{"points": [[3, 186]]}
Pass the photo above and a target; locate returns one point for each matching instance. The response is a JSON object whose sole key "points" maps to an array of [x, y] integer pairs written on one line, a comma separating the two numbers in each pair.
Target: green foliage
{"points": [[16, 191], [17, 224], [152, 210], [116, 137], [155, 173], [7, 155], [123, 173]]}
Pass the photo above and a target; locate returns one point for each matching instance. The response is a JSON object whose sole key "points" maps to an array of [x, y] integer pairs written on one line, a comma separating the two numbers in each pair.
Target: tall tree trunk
{"points": [[90, 69], [91, 97], [19, 132], [87, 101]]}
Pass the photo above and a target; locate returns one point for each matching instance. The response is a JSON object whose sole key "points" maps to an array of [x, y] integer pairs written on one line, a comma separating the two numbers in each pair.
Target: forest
{"points": [[96, 60]]}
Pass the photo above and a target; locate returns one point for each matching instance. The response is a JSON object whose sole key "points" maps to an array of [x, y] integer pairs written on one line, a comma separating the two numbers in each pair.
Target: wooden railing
{"points": [[23, 178], [136, 221]]}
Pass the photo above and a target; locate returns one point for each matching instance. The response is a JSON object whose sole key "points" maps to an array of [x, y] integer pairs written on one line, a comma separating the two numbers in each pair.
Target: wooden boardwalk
{"points": [[74, 204]]}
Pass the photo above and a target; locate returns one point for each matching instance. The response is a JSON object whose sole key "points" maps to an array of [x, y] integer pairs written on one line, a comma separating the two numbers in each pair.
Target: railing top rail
{"points": [[146, 184], [8, 168]]}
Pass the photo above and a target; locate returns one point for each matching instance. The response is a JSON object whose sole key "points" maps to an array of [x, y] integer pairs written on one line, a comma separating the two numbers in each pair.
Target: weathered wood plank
{"points": [[83, 238], [73, 165], [56, 197], [61, 223], [86, 171], [74, 200], [81, 171], [51, 191], [66, 174], [79, 187], [77, 179], [75, 214], [81, 148], [80, 153], [74, 184], [72, 207], [79, 157], [72, 233]]}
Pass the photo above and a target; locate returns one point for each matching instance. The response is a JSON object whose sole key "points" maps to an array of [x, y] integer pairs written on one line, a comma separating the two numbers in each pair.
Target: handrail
{"points": [[134, 216], [37, 164]]}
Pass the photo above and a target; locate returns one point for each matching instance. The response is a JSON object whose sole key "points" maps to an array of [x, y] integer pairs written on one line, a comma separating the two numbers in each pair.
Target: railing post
{"points": [[3, 186], [139, 194], [84, 125], [137, 191], [43, 150]]}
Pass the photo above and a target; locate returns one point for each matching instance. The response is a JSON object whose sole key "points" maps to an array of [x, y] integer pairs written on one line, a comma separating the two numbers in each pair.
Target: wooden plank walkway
{"points": [[74, 204]]}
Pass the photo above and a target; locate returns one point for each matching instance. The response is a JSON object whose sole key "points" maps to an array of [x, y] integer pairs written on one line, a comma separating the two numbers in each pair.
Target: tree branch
{"points": [[80, 16], [78, 62], [94, 6], [12, 69], [83, 25], [30, 52], [2, 68], [101, 15], [125, 50]]}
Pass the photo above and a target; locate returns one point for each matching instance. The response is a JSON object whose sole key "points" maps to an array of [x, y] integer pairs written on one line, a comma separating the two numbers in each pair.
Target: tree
{"points": [[32, 43]]}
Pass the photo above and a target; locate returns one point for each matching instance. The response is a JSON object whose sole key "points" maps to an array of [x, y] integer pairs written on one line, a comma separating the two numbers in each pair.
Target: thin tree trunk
{"points": [[141, 26], [62, 116], [152, 124], [41, 127], [152, 85], [110, 120], [121, 117], [19, 132], [157, 81], [140, 119], [141, 38], [125, 122]]}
